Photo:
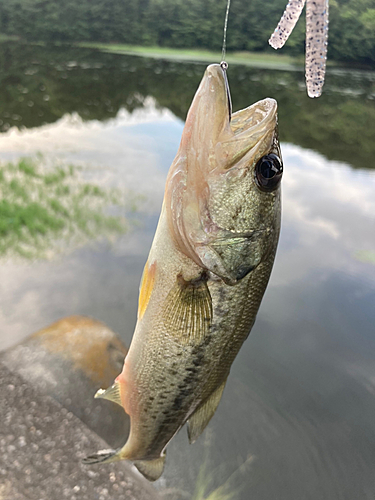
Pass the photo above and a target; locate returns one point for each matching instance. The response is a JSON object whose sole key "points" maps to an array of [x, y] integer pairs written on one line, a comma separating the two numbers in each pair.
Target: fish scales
{"points": [[206, 273]]}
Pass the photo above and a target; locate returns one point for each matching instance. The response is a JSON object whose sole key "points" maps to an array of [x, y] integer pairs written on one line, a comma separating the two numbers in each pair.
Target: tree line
{"points": [[187, 24]]}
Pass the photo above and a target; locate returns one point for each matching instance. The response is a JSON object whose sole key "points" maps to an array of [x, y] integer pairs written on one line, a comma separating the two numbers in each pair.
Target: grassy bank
{"points": [[256, 59]]}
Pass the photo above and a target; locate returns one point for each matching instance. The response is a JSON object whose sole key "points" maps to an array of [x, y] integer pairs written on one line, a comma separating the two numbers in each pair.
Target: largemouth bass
{"points": [[206, 273]]}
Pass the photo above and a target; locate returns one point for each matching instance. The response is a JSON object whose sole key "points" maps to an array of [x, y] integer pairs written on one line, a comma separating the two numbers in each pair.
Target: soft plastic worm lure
{"points": [[316, 39]]}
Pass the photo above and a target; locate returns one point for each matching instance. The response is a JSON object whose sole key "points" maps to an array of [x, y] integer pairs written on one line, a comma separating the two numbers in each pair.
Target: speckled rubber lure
{"points": [[316, 39]]}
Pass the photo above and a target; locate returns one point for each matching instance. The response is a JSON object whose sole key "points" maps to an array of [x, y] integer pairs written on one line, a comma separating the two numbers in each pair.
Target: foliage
{"points": [[40, 85], [44, 210], [352, 30], [186, 23]]}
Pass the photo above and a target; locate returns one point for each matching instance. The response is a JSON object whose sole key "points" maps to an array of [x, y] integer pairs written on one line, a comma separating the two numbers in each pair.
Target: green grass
{"points": [[266, 60], [47, 210]]}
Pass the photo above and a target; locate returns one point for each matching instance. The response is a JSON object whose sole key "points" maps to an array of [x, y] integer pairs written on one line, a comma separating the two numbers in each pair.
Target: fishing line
{"points": [[225, 34], [224, 64]]}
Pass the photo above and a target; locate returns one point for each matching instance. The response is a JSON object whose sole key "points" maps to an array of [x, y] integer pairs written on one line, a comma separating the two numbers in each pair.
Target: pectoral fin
{"points": [[188, 310], [200, 418], [112, 394], [151, 469]]}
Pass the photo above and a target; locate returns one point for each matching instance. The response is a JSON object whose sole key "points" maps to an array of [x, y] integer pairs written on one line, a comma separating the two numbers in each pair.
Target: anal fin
{"points": [[112, 393], [151, 469], [200, 418]]}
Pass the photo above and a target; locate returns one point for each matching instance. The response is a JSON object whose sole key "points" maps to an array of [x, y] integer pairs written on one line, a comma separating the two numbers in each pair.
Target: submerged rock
{"points": [[69, 361]]}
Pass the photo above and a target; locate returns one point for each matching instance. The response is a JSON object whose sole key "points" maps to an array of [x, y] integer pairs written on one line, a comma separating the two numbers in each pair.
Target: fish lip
{"points": [[251, 130], [215, 82], [262, 115]]}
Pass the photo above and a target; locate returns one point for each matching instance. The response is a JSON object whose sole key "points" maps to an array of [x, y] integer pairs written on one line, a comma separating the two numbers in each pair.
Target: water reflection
{"points": [[40, 85], [110, 153], [300, 395], [44, 210], [300, 398]]}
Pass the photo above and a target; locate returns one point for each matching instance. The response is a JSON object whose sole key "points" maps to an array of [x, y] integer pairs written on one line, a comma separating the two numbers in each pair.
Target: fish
{"points": [[206, 273]]}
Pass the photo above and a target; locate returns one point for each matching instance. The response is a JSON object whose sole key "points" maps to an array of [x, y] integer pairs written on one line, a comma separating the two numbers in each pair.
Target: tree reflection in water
{"points": [[39, 85]]}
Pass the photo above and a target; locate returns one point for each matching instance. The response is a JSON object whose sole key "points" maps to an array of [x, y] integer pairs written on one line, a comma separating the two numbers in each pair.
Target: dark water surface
{"points": [[297, 419]]}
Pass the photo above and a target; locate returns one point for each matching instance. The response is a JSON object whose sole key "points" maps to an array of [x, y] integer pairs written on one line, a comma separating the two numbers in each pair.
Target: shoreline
{"points": [[267, 60], [255, 59]]}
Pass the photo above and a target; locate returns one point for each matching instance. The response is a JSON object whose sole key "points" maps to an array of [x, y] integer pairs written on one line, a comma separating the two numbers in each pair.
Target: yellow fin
{"points": [[112, 393], [147, 285], [151, 469], [200, 418], [188, 310]]}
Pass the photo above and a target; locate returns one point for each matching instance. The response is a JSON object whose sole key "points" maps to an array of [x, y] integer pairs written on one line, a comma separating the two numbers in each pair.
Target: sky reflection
{"points": [[328, 209], [303, 383], [132, 151]]}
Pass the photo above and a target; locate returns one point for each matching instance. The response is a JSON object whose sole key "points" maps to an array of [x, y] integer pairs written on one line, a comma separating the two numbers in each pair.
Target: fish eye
{"points": [[268, 172]]}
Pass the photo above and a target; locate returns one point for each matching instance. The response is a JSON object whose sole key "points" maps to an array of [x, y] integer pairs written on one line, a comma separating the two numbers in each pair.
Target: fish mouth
{"points": [[215, 89], [225, 136], [210, 112], [210, 120], [260, 115], [214, 100], [257, 118], [253, 132]]}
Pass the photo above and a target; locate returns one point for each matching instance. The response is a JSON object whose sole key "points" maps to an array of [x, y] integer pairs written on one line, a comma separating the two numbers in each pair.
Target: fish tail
{"points": [[103, 456], [151, 469]]}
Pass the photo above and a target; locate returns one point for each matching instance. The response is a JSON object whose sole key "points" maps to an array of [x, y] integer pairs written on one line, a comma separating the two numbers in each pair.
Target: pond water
{"points": [[297, 419]]}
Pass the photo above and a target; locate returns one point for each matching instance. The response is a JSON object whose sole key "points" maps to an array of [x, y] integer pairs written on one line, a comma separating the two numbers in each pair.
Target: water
{"points": [[297, 416]]}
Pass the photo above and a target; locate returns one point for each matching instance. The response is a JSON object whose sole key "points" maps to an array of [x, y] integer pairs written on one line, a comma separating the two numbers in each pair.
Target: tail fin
{"points": [[151, 469], [102, 457]]}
